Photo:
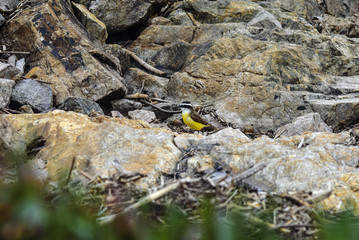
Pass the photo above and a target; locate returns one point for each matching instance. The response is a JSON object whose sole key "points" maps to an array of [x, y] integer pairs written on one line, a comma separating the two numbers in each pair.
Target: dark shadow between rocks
{"points": [[127, 36]]}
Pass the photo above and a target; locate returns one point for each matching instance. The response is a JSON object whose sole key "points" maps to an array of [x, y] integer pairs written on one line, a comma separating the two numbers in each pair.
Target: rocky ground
{"points": [[88, 87]]}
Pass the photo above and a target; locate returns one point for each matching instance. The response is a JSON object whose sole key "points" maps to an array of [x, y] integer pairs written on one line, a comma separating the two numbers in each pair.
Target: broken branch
{"points": [[144, 64], [152, 196], [137, 96], [160, 109], [249, 172], [13, 52]]}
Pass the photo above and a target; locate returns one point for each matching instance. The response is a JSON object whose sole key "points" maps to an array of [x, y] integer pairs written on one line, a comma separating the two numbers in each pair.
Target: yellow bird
{"points": [[192, 119]]}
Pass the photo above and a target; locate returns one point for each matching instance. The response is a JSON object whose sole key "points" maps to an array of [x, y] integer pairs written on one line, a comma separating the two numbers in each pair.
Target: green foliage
{"points": [[339, 226], [26, 213]]}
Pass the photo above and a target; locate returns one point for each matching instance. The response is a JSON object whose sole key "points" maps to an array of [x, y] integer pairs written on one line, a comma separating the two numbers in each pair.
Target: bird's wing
{"points": [[197, 118]]}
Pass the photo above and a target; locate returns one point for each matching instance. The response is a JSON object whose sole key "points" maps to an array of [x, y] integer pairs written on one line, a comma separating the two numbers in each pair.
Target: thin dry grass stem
{"points": [[71, 169]]}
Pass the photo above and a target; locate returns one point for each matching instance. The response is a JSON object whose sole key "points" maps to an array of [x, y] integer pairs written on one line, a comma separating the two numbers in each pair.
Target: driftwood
{"points": [[8, 110], [143, 63], [141, 202], [14, 52], [153, 196], [160, 109], [195, 23], [42, 81], [5, 111], [38, 80], [137, 96]]}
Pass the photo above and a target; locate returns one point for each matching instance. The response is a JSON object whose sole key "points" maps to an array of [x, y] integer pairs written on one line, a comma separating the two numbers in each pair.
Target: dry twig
{"points": [[160, 109], [137, 96], [249, 172], [14, 52], [195, 23], [152, 196], [143, 63], [71, 168]]}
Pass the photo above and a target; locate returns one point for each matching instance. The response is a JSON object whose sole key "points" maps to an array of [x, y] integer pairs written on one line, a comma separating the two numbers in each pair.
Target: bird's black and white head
{"points": [[185, 106]]}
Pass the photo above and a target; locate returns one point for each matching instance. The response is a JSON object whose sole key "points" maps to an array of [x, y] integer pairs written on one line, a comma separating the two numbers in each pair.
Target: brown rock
{"points": [[98, 144], [73, 60], [37, 73], [93, 25]]}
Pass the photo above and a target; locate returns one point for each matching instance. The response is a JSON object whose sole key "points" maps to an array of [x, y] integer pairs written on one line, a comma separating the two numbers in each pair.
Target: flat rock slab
{"points": [[31, 92]]}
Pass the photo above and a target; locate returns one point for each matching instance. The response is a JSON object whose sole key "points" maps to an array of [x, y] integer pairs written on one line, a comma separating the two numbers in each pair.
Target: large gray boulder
{"points": [[31, 92]]}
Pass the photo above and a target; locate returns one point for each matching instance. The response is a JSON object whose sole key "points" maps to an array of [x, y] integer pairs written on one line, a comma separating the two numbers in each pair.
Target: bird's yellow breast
{"points": [[190, 123]]}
